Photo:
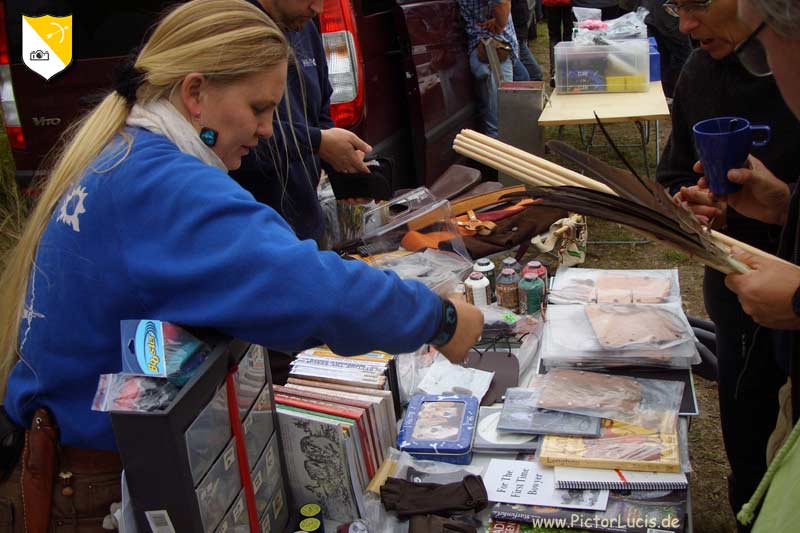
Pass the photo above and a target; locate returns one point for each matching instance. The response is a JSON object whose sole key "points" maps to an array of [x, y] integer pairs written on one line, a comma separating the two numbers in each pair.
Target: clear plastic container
{"points": [[621, 66]]}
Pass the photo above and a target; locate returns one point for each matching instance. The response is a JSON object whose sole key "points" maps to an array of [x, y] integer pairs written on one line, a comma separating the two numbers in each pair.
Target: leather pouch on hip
{"points": [[502, 48], [38, 471]]}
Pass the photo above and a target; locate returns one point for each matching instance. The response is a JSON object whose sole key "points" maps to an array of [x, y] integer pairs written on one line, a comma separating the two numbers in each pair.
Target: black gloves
{"points": [[407, 498]]}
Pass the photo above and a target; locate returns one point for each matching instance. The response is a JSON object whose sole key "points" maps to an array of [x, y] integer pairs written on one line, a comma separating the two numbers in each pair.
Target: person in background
{"points": [[714, 83], [284, 171], [609, 8], [521, 15], [489, 19], [139, 219], [770, 291], [559, 28]]}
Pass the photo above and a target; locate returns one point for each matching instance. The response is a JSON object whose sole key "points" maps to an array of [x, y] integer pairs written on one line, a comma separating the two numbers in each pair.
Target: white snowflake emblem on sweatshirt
{"points": [[73, 202]]}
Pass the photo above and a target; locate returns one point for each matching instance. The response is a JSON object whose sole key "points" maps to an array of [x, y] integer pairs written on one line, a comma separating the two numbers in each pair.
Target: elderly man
{"points": [[714, 83], [770, 292], [489, 20]]}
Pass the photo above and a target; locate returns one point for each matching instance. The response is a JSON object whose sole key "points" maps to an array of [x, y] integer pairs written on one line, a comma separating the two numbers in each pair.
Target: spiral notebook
{"points": [[597, 478]]}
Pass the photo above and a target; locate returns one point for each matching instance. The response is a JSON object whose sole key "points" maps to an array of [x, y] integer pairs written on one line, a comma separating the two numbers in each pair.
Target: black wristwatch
{"points": [[796, 302]]}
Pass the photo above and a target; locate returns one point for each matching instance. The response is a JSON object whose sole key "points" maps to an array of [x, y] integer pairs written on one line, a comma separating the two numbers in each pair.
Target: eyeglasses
{"points": [[674, 9], [752, 55]]}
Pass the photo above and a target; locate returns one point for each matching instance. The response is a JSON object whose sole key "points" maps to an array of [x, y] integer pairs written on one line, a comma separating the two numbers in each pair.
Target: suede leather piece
{"points": [[438, 524]]}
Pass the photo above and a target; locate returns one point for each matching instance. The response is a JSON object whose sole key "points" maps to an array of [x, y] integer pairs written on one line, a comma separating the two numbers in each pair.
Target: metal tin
{"points": [[439, 428]]}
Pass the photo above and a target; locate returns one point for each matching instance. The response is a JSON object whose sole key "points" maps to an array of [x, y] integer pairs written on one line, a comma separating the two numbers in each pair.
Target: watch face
{"points": [[796, 302]]}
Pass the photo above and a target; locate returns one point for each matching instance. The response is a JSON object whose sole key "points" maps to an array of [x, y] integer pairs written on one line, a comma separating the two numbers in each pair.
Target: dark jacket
{"points": [[283, 172]]}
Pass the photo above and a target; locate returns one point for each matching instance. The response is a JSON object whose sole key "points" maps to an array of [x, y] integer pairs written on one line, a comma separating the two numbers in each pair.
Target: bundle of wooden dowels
{"points": [[649, 201]]}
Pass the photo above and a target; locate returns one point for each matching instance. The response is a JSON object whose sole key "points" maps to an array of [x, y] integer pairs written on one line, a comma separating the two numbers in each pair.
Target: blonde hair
{"points": [[225, 40]]}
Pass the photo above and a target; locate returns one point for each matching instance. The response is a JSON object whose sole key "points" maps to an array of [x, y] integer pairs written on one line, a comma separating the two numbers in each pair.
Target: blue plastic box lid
{"points": [[440, 425]]}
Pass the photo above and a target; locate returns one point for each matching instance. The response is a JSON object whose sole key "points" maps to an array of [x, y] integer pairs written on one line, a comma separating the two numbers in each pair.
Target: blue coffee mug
{"points": [[723, 144]]}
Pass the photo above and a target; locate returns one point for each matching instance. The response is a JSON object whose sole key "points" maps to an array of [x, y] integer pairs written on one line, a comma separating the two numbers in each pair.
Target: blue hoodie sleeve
{"points": [[201, 251]]}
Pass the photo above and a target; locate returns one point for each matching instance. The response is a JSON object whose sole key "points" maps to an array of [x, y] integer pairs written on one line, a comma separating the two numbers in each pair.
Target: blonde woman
{"points": [[139, 219]]}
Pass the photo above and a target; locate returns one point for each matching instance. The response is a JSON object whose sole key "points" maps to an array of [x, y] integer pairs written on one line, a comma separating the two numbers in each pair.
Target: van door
{"points": [[439, 85]]}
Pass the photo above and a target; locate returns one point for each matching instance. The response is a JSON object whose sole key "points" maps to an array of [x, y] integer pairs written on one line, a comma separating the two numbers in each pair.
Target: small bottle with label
{"points": [[477, 289], [507, 293], [510, 262], [486, 267], [531, 294]]}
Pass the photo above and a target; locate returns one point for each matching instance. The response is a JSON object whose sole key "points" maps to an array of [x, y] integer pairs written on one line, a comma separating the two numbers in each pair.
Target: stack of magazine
{"points": [[337, 418]]}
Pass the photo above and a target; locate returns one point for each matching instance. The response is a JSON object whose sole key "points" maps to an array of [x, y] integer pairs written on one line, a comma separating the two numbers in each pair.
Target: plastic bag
{"points": [[649, 403], [587, 13], [445, 378], [125, 392], [439, 270], [598, 336], [628, 26], [590, 285]]}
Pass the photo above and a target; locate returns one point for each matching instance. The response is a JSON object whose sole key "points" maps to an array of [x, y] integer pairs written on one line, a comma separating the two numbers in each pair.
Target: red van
{"points": [[401, 82]]}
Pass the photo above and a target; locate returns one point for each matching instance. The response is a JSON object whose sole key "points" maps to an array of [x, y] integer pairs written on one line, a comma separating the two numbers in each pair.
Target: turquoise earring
{"points": [[208, 136]]}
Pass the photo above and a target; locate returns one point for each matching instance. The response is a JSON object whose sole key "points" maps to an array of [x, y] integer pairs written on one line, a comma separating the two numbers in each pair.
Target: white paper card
{"points": [[529, 483], [443, 378]]}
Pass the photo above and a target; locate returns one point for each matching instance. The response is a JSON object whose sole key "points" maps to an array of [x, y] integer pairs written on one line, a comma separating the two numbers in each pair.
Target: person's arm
{"points": [[500, 11], [210, 255]]}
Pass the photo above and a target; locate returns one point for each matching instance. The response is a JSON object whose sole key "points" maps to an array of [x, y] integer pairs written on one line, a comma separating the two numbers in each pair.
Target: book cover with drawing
{"points": [[638, 511], [357, 415], [317, 464], [620, 445], [369, 411]]}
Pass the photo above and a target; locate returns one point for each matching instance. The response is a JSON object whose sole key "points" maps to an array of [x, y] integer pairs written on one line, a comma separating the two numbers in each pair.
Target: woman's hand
{"points": [[766, 291], [763, 196], [468, 331]]}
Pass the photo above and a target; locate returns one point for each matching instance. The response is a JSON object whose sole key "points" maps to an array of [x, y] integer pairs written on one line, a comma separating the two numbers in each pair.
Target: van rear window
{"points": [[100, 29]]}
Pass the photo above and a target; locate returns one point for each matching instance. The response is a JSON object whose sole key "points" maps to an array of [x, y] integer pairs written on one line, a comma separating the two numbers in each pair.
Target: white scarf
{"points": [[161, 117]]}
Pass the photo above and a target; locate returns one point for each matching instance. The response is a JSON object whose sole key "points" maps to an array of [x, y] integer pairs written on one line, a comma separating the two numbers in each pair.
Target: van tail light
{"points": [[10, 115], [345, 66]]}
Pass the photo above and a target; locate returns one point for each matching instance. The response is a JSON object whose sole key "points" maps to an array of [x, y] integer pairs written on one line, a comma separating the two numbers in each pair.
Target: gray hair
{"points": [[782, 15]]}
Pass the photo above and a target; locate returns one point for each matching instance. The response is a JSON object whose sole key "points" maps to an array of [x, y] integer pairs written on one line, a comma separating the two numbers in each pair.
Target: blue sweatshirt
{"points": [[164, 236], [283, 172]]}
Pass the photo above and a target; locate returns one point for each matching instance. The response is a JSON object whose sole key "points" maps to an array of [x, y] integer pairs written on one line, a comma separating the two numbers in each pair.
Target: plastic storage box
{"points": [[439, 428], [623, 66]]}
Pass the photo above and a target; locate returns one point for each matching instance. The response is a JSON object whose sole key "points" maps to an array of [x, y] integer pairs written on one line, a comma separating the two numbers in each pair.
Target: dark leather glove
{"points": [[438, 524], [407, 498], [500, 13]]}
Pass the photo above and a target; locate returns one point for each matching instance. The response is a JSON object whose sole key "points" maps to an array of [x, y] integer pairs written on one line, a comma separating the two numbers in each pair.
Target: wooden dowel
{"points": [[571, 176], [522, 168], [523, 177], [730, 242]]}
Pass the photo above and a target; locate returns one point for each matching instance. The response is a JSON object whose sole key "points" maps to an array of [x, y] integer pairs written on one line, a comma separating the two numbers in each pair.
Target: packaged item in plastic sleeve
{"points": [[520, 414], [126, 392], [160, 349], [650, 403], [599, 336], [590, 285]]}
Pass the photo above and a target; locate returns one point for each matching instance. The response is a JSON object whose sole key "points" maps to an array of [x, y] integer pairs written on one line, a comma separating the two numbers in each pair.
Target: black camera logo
{"points": [[39, 55]]}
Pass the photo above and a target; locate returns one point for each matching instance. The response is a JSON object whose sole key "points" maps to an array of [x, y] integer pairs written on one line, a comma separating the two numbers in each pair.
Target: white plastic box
{"points": [[622, 66]]}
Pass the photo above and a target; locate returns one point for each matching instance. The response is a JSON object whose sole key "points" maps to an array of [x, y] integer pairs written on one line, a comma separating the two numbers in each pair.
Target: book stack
{"points": [[337, 417]]}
